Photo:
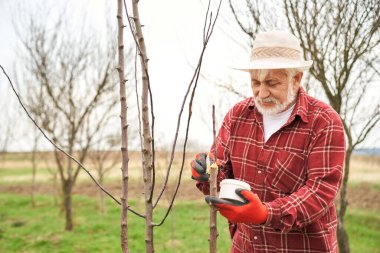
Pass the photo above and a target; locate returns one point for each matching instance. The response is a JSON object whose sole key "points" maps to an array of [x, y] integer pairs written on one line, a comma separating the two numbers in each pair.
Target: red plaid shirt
{"points": [[296, 173]]}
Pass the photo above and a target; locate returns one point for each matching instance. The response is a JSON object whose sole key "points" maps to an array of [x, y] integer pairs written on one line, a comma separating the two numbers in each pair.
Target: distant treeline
{"points": [[367, 151]]}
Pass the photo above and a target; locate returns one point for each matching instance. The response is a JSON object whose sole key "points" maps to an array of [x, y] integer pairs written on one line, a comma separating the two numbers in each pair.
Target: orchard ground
{"points": [[40, 229]]}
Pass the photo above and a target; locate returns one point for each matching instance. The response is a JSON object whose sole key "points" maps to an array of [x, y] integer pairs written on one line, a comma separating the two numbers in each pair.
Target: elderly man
{"points": [[289, 147]]}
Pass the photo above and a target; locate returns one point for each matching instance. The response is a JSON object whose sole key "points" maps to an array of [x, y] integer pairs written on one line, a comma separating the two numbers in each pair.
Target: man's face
{"points": [[274, 91]]}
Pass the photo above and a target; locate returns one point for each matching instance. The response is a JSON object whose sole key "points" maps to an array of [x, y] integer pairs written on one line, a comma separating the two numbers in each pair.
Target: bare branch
{"points": [[194, 81], [60, 149], [57, 147], [242, 27]]}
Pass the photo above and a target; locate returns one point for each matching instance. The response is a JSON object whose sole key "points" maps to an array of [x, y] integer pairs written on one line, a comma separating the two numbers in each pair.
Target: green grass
{"points": [[40, 229], [363, 228], [26, 229]]}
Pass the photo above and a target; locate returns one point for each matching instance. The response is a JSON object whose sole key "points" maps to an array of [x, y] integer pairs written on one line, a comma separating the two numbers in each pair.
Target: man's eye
{"points": [[273, 83]]}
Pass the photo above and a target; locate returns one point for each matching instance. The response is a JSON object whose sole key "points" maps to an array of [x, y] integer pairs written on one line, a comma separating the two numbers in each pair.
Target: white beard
{"points": [[279, 107]]}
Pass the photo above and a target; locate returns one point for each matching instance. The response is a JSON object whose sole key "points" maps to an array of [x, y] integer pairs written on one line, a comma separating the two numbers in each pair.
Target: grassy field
{"points": [[40, 229]]}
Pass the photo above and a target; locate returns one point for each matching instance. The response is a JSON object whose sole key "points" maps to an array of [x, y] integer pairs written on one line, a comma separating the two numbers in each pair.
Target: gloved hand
{"points": [[199, 168], [252, 210]]}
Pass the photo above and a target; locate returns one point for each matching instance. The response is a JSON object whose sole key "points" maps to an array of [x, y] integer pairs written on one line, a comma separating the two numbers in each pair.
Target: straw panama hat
{"points": [[276, 50]]}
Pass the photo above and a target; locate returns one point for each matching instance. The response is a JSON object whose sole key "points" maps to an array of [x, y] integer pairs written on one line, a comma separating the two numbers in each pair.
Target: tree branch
{"points": [[60, 149]]}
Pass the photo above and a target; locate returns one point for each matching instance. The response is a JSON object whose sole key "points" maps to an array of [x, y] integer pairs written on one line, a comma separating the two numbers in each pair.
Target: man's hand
{"points": [[252, 210], [199, 168]]}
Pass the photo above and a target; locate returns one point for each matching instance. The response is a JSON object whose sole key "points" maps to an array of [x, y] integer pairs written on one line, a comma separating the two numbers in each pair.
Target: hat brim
{"points": [[275, 63]]}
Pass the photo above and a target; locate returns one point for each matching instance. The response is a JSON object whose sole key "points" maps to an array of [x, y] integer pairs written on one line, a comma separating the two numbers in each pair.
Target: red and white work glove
{"points": [[199, 167], [252, 210]]}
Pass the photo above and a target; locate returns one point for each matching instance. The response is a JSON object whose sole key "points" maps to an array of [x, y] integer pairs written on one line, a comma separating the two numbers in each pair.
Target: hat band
{"points": [[270, 52]]}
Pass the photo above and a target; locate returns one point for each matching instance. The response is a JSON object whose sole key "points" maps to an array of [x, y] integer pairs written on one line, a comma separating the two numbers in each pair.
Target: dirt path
{"points": [[361, 196]]}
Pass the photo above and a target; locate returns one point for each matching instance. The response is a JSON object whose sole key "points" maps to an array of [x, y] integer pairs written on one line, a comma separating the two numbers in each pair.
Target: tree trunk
{"points": [[213, 215], [343, 242], [34, 168], [124, 133], [147, 138], [56, 189], [103, 207], [102, 202], [213, 169], [67, 204], [33, 192]]}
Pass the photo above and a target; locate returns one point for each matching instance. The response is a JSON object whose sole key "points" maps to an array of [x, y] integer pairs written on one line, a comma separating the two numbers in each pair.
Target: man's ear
{"points": [[297, 80], [298, 77]]}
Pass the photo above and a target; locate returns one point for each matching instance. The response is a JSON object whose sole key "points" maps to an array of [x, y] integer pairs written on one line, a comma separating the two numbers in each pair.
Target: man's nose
{"points": [[263, 92]]}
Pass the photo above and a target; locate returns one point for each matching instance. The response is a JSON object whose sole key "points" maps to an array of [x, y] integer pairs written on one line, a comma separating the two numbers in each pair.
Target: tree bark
{"points": [[67, 204], [343, 242], [147, 138], [102, 201], [213, 214], [213, 192], [124, 135], [34, 168], [67, 186]]}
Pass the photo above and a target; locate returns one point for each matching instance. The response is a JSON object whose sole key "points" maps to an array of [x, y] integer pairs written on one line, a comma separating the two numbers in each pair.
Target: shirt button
{"points": [[255, 237], [259, 172]]}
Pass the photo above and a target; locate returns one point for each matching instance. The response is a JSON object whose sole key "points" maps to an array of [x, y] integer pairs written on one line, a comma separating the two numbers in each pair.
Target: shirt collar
{"points": [[301, 106]]}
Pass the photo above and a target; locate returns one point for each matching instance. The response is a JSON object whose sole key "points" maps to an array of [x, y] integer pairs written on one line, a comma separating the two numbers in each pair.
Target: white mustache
{"points": [[266, 100]]}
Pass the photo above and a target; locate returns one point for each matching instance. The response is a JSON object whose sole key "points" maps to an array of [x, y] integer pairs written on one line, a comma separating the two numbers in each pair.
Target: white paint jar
{"points": [[228, 187]]}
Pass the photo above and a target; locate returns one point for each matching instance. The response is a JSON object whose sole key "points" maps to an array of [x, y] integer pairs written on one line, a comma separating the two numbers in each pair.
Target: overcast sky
{"points": [[173, 33]]}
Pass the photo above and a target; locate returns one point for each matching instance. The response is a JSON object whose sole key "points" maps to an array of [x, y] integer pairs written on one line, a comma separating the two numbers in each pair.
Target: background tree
{"points": [[102, 159], [70, 89], [342, 38], [34, 158], [41, 68], [8, 126]]}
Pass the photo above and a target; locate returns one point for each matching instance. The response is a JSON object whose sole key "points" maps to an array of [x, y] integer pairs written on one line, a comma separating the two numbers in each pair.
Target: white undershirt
{"points": [[274, 122]]}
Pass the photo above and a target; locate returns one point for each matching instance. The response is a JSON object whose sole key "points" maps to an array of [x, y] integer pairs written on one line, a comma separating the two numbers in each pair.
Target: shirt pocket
{"points": [[288, 172]]}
